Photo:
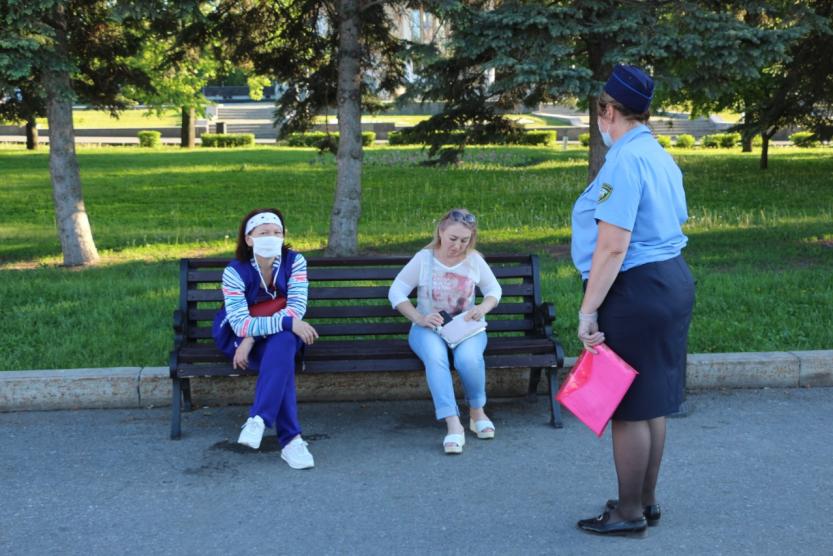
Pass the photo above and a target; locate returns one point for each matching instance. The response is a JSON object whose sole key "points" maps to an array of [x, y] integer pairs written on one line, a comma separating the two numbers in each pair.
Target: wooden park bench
{"points": [[358, 329]]}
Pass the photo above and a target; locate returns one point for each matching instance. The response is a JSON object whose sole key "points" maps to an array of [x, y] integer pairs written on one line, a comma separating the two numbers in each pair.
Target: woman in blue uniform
{"points": [[260, 325], [639, 293]]}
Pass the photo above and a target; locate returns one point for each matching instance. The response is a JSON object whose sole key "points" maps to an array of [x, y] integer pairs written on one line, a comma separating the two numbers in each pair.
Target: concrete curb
{"points": [[69, 389], [132, 387]]}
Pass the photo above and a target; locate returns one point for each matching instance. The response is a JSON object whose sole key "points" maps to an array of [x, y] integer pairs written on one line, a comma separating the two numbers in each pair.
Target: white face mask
{"points": [[267, 246], [606, 138]]}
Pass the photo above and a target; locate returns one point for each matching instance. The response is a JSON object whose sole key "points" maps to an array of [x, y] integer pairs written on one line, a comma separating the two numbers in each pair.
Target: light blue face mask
{"points": [[606, 138]]}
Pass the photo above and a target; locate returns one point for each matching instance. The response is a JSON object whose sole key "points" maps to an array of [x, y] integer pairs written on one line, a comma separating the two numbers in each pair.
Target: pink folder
{"points": [[595, 386]]}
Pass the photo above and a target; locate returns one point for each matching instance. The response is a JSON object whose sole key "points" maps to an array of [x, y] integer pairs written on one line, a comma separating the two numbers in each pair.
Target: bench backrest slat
{"points": [[367, 311], [353, 274], [387, 260], [349, 297], [388, 328], [354, 292]]}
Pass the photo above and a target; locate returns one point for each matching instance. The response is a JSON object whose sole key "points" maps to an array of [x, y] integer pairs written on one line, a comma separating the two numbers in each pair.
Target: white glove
{"points": [[588, 331]]}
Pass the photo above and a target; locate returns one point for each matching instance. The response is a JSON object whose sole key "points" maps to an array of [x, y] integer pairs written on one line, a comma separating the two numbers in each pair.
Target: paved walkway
{"points": [[746, 472]]}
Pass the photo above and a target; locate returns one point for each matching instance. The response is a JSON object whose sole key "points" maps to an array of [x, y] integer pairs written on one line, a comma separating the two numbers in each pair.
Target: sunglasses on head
{"points": [[460, 216]]}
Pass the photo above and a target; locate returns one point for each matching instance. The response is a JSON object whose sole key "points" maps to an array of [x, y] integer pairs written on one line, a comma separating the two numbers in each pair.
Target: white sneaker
{"points": [[296, 454], [252, 432]]}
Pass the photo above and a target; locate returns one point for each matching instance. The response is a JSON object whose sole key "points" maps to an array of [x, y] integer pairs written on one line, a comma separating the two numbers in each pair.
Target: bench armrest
{"points": [[559, 354], [544, 314], [179, 339], [179, 323], [173, 362]]}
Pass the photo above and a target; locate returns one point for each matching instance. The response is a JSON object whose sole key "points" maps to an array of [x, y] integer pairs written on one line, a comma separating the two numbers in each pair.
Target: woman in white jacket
{"points": [[445, 274]]}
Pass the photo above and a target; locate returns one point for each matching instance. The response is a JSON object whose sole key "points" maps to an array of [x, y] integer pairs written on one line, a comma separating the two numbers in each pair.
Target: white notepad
{"points": [[460, 329]]}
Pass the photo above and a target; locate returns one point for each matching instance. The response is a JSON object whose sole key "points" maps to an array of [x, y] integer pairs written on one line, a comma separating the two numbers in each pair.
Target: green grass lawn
{"points": [[538, 121], [727, 115], [93, 119], [401, 120], [760, 243], [97, 119], [407, 120], [128, 118]]}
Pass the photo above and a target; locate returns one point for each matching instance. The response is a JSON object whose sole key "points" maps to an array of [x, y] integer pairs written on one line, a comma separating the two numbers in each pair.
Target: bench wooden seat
{"points": [[359, 331]]}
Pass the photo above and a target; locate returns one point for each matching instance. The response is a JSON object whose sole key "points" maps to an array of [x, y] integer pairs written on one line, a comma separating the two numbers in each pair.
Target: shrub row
{"points": [[538, 137], [685, 141], [227, 139], [720, 140], [544, 137], [150, 138], [405, 137], [804, 139], [729, 140], [664, 140], [321, 140], [318, 139]]}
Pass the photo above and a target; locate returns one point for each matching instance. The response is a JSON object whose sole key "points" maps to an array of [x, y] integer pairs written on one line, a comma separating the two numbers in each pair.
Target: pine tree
{"points": [[66, 50], [563, 50], [339, 53]]}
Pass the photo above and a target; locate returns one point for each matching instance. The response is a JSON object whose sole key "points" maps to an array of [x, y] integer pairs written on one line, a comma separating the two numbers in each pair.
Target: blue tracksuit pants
{"points": [[275, 401]]}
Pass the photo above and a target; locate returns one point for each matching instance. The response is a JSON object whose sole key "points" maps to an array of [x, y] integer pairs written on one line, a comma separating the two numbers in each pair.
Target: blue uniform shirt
{"points": [[639, 188]]}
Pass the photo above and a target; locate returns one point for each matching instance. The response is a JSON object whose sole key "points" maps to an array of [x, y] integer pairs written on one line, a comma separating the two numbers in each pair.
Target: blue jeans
{"points": [[468, 360]]}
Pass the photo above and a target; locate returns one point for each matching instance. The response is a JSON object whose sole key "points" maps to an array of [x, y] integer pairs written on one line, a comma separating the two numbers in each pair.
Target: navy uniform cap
{"points": [[631, 87]]}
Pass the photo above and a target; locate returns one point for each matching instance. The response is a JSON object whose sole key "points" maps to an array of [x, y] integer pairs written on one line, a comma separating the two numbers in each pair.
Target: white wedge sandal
{"points": [[453, 443], [479, 428]]}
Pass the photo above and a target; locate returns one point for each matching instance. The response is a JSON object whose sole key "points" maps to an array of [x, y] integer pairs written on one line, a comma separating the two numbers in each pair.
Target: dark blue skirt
{"points": [[645, 319]]}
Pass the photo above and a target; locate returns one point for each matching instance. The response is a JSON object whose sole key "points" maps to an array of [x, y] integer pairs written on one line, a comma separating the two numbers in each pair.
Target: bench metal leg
{"points": [[186, 391], [176, 409], [534, 379], [555, 407]]}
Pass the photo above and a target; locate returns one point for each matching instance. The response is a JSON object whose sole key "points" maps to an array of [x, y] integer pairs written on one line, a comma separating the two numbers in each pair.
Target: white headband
{"points": [[263, 218]]}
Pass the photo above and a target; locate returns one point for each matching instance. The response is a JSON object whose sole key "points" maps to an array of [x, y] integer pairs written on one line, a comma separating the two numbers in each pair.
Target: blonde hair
{"points": [[455, 216]]}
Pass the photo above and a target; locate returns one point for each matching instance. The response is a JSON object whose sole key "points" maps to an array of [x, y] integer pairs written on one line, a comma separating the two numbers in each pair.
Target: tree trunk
{"points": [[73, 225], [746, 142], [601, 71], [598, 150], [765, 149], [344, 220], [31, 134], [189, 128]]}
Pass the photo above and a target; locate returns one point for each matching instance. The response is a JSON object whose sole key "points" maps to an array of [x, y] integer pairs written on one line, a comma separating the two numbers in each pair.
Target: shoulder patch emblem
{"points": [[607, 189]]}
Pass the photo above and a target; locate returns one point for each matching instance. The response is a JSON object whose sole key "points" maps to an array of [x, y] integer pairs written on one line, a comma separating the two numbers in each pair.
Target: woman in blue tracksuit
{"points": [[639, 293], [266, 271]]}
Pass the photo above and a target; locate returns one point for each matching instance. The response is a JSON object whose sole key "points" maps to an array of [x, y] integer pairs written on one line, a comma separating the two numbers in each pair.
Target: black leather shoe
{"points": [[652, 512], [602, 525]]}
